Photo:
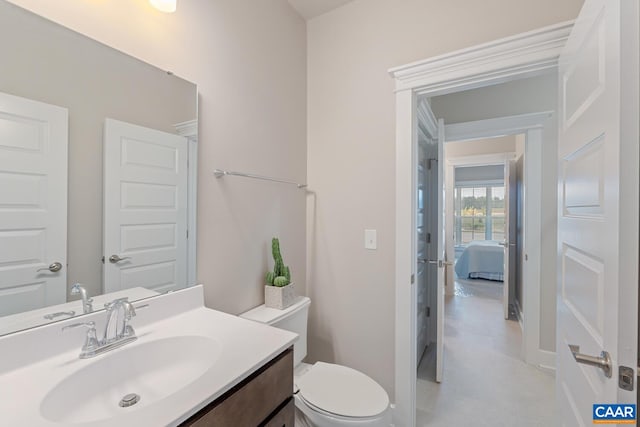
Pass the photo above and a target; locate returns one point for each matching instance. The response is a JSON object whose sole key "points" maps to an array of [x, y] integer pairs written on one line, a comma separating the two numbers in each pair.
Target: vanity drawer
{"points": [[252, 401], [285, 417]]}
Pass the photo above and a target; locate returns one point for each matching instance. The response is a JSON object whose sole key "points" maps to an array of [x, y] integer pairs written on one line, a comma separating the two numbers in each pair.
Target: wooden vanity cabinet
{"points": [[263, 399]]}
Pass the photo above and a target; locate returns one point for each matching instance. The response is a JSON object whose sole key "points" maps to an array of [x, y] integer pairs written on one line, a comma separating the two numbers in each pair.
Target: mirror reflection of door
{"points": [[33, 204], [145, 208]]}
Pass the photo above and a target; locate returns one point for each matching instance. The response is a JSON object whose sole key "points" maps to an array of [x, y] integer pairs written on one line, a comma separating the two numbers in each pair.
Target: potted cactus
{"points": [[278, 292]]}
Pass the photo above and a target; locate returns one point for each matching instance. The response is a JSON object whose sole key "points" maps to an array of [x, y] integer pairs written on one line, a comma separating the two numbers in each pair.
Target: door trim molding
{"points": [[510, 58], [518, 56], [189, 130], [508, 125]]}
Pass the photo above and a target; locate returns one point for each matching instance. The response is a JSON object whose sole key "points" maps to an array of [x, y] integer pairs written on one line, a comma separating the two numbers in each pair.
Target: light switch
{"points": [[371, 239]]}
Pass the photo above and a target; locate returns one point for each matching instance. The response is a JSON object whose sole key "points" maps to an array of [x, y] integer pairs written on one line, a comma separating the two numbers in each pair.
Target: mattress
{"points": [[481, 260]]}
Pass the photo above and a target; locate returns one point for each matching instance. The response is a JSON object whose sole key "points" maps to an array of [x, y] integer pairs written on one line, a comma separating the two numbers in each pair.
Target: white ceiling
{"points": [[312, 8]]}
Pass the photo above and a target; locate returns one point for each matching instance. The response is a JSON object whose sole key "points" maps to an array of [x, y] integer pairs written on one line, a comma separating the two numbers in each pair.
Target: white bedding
{"points": [[481, 260]]}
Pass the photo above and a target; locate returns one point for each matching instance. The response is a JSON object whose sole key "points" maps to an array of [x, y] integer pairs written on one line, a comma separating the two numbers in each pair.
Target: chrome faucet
{"points": [[117, 330], [87, 306], [119, 313]]}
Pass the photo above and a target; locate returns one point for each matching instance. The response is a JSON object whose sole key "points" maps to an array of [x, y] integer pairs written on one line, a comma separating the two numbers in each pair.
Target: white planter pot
{"points": [[279, 298]]}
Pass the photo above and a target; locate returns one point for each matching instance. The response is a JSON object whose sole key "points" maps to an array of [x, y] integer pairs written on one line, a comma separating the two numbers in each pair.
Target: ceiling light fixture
{"points": [[168, 6]]}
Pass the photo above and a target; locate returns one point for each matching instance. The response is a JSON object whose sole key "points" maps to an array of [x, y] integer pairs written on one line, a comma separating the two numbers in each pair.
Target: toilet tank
{"points": [[292, 318]]}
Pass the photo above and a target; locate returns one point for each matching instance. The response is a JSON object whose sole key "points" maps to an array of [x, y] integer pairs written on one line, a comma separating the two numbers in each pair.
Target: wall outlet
{"points": [[371, 239]]}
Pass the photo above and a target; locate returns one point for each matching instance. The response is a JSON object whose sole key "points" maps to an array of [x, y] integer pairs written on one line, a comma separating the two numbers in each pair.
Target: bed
{"points": [[481, 260]]}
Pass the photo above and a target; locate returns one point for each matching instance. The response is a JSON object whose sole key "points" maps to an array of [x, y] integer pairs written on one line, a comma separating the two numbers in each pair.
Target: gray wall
{"points": [[520, 97], [46, 62], [351, 145]]}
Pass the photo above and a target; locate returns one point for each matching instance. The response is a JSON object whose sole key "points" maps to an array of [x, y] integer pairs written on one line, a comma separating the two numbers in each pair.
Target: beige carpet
{"points": [[485, 381]]}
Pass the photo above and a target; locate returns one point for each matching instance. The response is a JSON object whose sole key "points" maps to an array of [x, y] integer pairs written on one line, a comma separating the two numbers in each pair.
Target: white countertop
{"points": [[27, 375]]}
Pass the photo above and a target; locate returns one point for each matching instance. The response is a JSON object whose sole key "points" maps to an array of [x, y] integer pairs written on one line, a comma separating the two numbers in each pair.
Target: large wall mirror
{"points": [[97, 174]]}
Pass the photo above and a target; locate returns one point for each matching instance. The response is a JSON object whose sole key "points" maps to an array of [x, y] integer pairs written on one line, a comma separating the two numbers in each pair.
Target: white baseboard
{"points": [[520, 315]]}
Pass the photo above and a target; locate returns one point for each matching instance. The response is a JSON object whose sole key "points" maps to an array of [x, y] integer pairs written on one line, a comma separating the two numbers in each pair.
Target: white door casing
{"points": [[145, 208], [33, 204], [598, 206]]}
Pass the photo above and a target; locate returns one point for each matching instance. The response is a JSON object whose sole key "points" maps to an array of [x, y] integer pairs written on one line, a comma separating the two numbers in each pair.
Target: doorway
{"points": [[488, 221], [482, 214], [512, 58], [537, 126]]}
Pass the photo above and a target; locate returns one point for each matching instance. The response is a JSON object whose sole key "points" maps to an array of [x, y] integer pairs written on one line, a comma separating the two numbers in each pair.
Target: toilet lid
{"points": [[342, 391]]}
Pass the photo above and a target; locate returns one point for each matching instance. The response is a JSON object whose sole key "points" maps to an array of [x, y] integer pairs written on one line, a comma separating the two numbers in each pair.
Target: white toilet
{"points": [[326, 395]]}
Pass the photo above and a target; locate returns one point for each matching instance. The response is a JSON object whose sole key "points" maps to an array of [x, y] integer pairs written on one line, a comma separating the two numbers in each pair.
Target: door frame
{"points": [[532, 125], [519, 56]]}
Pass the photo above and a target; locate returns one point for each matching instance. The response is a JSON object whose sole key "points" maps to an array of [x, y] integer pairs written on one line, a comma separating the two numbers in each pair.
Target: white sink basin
{"points": [[153, 370]]}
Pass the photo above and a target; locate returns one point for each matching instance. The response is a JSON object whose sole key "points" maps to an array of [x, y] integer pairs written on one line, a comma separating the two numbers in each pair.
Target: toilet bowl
{"points": [[326, 394]]}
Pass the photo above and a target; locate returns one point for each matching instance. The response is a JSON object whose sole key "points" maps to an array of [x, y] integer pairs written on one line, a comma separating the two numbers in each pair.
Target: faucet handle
{"points": [[89, 325], [91, 342]]}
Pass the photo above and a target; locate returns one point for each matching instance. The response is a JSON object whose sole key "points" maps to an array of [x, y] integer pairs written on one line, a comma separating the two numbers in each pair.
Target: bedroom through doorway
{"points": [[485, 207]]}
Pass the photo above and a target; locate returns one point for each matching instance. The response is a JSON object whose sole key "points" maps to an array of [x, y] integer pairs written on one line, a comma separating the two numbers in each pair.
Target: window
{"points": [[479, 213]]}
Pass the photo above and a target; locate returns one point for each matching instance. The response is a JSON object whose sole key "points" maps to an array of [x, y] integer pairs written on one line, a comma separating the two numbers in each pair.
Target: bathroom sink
{"points": [[152, 371], [185, 357]]}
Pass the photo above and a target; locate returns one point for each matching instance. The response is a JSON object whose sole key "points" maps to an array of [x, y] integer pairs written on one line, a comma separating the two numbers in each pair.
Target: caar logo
{"points": [[614, 414]]}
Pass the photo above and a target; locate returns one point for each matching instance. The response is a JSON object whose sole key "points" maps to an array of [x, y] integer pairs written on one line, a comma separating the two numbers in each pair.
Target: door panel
{"points": [[440, 239], [510, 204], [423, 300], [145, 224], [33, 204], [598, 208]]}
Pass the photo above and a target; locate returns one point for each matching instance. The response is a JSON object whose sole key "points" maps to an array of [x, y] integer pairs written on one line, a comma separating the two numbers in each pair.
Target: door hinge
{"points": [[428, 311], [413, 279], [428, 237], [187, 234], [626, 378]]}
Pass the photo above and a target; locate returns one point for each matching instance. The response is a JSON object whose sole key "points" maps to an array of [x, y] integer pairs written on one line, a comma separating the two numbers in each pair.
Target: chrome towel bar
{"points": [[219, 173]]}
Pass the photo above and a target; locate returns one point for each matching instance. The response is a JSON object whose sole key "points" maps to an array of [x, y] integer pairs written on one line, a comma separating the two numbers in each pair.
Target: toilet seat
{"points": [[341, 392], [330, 415]]}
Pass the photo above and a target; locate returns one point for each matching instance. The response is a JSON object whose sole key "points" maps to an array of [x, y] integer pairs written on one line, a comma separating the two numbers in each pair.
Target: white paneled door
{"points": [[33, 204], [598, 209], [441, 262], [145, 208]]}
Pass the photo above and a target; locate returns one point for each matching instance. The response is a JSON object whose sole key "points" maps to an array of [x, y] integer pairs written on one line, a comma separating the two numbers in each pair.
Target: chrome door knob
{"points": [[54, 268], [114, 259]]}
